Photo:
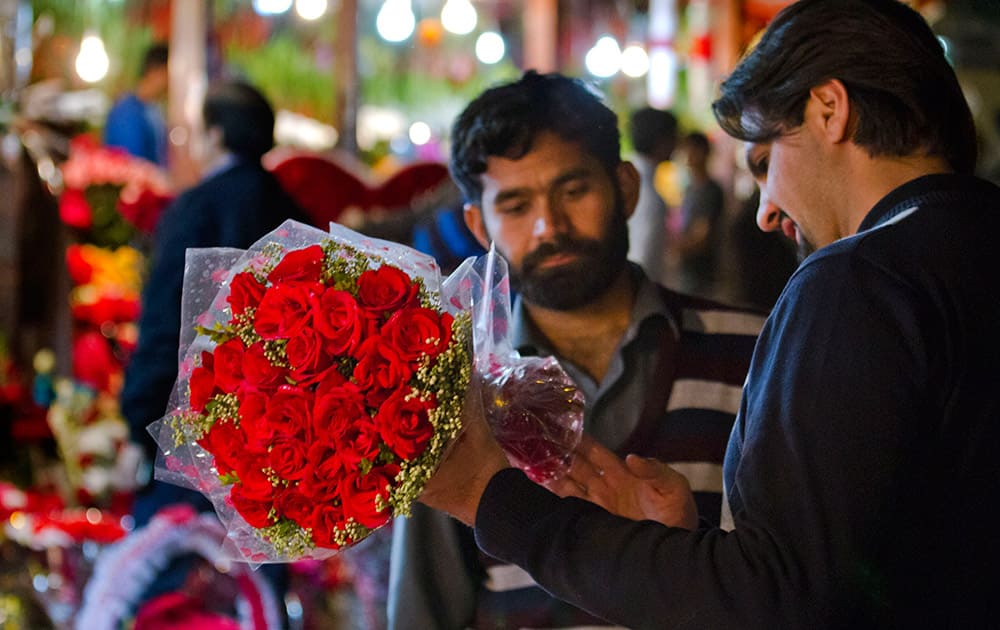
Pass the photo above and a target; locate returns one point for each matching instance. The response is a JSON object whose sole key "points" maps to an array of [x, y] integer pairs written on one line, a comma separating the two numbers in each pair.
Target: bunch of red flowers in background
{"points": [[328, 397], [109, 195]]}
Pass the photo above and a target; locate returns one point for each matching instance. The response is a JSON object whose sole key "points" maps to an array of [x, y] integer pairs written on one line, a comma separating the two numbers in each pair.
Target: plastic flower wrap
{"points": [[322, 381], [534, 409]]}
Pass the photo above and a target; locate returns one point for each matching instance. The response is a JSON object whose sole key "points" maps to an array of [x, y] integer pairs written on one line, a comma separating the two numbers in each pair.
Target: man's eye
{"points": [[760, 166], [512, 208]]}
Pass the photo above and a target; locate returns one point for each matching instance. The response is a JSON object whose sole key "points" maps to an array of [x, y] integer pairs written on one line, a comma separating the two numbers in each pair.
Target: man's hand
{"points": [[637, 488], [467, 465]]}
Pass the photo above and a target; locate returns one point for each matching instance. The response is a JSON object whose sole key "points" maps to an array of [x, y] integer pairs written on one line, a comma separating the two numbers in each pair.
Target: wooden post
{"points": [[541, 31], [346, 76], [188, 82]]}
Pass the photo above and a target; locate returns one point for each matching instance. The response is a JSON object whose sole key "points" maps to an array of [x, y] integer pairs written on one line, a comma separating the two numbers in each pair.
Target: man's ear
{"points": [[829, 107], [628, 181], [473, 215]]}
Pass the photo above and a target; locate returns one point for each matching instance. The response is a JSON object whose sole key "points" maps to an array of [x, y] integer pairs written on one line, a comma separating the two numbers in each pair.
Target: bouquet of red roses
{"points": [[323, 378]]}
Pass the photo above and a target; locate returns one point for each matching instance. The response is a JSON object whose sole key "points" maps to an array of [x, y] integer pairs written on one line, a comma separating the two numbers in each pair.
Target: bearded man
{"points": [[538, 161]]}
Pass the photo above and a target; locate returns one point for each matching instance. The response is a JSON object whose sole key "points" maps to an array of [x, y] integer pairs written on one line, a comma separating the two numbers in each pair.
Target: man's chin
{"points": [[570, 287]]}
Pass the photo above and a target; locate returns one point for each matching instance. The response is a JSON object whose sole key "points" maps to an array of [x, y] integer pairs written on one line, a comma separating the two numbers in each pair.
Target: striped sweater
{"points": [[671, 392]]}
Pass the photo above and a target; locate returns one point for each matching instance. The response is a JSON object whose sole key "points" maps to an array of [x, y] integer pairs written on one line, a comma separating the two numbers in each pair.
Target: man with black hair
{"points": [[654, 135], [538, 161], [862, 472], [235, 204], [135, 123]]}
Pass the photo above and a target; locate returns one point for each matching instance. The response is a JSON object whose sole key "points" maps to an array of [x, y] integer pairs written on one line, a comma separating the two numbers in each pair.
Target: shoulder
{"points": [[126, 104], [704, 316]]}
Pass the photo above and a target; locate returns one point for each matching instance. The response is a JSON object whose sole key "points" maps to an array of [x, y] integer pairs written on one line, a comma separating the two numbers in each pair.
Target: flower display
{"points": [[40, 520], [109, 195], [334, 381], [92, 439]]}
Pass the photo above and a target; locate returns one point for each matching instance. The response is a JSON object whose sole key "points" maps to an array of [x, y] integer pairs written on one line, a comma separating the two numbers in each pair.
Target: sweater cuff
{"points": [[510, 507]]}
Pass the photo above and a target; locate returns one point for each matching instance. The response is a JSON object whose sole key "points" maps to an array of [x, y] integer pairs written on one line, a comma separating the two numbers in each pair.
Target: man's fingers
{"points": [[567, 487], [601, 459], [644, 467]]}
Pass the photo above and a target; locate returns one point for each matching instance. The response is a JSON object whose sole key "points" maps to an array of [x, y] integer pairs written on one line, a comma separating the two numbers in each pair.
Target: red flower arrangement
{"points": [[110, 194], [325, 377], [335, 381]]}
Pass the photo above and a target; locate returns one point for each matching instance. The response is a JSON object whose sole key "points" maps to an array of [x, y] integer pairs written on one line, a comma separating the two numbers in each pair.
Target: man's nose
{"points": [[549, 220], [768, 214]]}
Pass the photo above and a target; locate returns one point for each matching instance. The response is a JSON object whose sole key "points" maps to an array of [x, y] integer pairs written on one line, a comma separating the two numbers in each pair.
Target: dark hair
{"points": [[698, 140], [155, 57], [505, 120], [243, 114], [905, 93], [648, 127]]}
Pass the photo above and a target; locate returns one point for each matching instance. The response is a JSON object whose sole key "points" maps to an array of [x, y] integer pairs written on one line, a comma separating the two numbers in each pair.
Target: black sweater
{"points": [[862, 472]]}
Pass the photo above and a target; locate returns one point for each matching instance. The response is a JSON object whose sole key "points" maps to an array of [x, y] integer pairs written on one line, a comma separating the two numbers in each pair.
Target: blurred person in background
{"points": [[236, 203], [697, 245], [653, 133], [135, 122]]}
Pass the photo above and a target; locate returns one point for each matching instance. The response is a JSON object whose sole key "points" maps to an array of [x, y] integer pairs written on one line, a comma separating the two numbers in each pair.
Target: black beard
{"points": [[579, 282]]}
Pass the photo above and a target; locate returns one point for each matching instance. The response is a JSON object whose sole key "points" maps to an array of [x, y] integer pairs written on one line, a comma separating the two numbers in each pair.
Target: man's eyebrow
{"points": [[573, 174], [580, 172]]}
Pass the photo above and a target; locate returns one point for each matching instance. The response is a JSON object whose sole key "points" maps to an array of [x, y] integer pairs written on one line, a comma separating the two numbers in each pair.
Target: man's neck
{"points": [[218, 162], [874, 178], [588, 336]]}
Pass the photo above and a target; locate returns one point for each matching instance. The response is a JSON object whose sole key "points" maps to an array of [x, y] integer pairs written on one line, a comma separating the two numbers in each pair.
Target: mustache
{"points": [[561, 245]]}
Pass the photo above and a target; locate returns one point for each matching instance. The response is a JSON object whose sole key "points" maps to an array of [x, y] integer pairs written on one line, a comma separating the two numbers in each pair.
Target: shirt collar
{"points": [[649, 303], [912, 193]]}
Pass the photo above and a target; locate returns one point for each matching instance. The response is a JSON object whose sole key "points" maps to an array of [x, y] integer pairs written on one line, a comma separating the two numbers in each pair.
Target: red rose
{"points": [[296, 506], [284, 310], [380, 368], [338, 318], [288, 458], [324, 471], [386, 289], [415, 332], [245, 290], [80, 270], [359, 491], [337, 408], [74, 209], [94, 362], [330, 380], [356, 442], [255, 513], [252, 406], [202, 383], [307, 356], [229, 365], [404, 426], [259, 371], [289, 413], [299, 265], [327, 518], [259, 431], [226, 442], [255, 484]]}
